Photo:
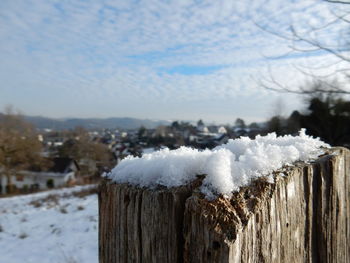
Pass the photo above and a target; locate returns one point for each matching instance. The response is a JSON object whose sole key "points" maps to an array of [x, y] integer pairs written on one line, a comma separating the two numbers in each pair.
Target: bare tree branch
{"points": [[318, 45], [311, 40], [338, 2]]}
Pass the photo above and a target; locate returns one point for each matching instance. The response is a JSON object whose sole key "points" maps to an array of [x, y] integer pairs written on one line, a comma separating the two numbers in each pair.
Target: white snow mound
{"points": [[227, 167]]}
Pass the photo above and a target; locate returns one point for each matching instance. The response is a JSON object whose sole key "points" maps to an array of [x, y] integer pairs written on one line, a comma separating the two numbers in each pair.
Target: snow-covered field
{"points": [[58, 226]]}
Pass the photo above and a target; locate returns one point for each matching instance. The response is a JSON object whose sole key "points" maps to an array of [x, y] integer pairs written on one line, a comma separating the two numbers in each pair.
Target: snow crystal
{"points": [[227, 167]]}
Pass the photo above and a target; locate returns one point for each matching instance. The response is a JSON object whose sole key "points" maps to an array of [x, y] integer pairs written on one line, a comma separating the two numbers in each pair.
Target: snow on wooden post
{"points": [[303, 216]]}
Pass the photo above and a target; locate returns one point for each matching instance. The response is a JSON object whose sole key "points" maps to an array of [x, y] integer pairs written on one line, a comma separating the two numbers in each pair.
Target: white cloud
{"points": [[113, 51]]}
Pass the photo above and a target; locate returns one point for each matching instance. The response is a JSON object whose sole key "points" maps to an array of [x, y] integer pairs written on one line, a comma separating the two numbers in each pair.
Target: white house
{"points": [[222, 130], [62, 172], [202, 129]]}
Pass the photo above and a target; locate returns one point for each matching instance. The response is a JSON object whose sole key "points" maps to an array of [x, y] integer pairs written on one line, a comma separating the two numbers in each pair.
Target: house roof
{"points": [[60, 165]]}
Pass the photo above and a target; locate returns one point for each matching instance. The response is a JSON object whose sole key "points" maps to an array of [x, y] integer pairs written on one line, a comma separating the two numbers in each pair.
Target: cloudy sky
{"points": [[156, 59]]}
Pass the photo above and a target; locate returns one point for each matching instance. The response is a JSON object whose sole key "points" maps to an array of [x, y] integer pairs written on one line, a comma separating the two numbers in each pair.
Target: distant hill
{"points": [[93, 123]]}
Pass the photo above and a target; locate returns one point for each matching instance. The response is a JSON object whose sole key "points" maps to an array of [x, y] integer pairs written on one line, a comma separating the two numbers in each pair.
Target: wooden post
{"points": [[140, 225], [303, 217]]}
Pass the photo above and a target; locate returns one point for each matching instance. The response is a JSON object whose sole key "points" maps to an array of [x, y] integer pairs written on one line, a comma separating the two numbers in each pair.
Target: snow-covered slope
{"points": [[59, 226]]}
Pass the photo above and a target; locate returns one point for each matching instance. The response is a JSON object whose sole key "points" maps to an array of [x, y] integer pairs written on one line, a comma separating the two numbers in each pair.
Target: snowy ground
{"points": [[56, 226]]}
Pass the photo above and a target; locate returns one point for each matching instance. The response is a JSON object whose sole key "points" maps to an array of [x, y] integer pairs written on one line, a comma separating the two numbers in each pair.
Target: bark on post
{"points": [[303, 217]]}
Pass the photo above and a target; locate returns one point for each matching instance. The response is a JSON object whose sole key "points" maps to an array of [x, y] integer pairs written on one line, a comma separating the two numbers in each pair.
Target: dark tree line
{"points": [[327, 116]]}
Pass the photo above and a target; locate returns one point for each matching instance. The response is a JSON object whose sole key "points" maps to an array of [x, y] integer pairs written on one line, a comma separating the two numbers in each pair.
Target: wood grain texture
{"points": [[139, 225], [303, 217]]}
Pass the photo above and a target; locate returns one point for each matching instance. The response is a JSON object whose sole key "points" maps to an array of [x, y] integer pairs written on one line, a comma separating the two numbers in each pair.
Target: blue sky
{"points": [[151, 59]]}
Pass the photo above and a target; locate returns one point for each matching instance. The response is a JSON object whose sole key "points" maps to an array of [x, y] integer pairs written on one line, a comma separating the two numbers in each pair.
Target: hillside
{"points": [[93, 123]]}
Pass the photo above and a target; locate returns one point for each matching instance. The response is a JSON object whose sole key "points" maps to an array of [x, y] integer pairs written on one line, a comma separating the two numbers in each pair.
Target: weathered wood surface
{"points": [[303, 217], [141, 225]]}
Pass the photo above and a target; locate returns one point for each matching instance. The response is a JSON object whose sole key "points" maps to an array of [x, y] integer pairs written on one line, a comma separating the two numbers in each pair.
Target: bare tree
{"points": [[88, 153], [315, 39], [19, 145]]}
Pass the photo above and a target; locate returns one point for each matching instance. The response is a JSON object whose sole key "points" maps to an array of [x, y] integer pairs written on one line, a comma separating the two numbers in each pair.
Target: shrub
{"points": [[10, 189], [23, 235], [50, 183], [36, 203], [86, 192], [63, 210], [25, 188]]}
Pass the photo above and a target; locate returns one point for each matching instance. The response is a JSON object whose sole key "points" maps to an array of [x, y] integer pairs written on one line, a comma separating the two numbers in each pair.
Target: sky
{"points": [[154, 59]]}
